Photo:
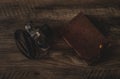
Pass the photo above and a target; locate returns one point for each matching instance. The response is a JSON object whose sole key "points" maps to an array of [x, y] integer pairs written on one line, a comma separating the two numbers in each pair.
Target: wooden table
{"points": [[63, 63]]}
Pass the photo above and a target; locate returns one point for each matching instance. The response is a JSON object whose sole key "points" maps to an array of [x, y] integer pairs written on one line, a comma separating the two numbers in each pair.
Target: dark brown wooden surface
{"points": [[63, 63]]}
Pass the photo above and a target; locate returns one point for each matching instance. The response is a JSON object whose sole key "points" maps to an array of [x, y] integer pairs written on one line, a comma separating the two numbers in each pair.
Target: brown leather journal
{"points": [[84, 37]]}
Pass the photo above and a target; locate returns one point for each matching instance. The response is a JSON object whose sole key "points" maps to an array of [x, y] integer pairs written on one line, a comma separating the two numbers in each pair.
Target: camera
{"points": [[34, 41]]}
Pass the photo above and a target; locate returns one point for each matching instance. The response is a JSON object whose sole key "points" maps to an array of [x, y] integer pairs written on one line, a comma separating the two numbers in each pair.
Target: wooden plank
{"points": [[56, 73], [8, 43], [63, 2]]}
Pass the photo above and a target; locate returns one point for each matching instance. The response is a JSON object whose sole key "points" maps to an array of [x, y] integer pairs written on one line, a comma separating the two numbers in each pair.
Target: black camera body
{"points": [[34, 41]]}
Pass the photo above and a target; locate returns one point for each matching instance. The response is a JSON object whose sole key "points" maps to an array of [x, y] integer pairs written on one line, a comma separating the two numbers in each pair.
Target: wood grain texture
{"points": [[62, 62]]}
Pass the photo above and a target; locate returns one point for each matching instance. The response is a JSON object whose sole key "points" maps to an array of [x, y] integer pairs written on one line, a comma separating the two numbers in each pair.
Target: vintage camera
{"points": [[34, 41]]}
